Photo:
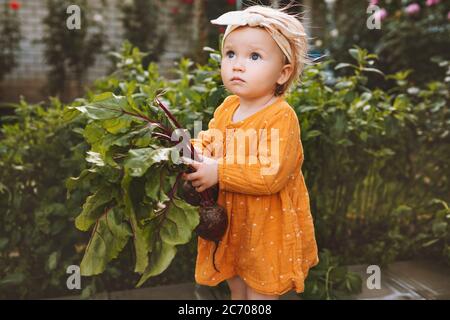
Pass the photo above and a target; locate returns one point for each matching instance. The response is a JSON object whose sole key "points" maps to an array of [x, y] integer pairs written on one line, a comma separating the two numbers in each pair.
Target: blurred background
{"points": [[373, 108], [41, 57]]}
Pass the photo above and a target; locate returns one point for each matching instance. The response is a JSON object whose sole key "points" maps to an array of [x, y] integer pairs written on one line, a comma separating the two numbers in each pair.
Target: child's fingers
{"points": [[192, 176], [200, 189], [194, 164]]}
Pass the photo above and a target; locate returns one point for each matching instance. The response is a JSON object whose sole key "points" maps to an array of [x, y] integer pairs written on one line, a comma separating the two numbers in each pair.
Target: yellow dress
{"points": [[270, 241]]}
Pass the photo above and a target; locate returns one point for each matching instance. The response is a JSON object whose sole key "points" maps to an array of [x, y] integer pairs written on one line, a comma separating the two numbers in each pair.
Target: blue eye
{"points": [[229, 54], [255, 56]]}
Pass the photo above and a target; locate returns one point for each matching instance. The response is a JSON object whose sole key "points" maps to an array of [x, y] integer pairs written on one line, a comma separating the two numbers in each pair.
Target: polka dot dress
{"points": [[270, 241]]}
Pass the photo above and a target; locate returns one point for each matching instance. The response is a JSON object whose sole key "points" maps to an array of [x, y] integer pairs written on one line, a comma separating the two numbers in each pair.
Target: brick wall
{"points": [[29, 78]]}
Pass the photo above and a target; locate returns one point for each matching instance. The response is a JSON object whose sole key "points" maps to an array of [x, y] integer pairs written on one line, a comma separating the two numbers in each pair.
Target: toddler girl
{"points": [[269, 244]]}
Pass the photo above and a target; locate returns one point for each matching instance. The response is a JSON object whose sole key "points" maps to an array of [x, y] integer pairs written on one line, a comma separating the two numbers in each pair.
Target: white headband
{"points": [[278, 31]]}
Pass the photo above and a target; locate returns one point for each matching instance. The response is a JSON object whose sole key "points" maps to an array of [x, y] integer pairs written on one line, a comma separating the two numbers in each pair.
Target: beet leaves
{"points": [[135, 176]]}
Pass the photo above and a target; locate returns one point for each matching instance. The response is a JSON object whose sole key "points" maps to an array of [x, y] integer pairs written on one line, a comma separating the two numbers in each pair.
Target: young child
{"points": [[269, 244]]}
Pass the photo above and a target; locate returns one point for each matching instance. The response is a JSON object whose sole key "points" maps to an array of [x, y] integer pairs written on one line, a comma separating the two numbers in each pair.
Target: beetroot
{"points": [[212, 226], [213, 217], [187, 193], [213, 222]]}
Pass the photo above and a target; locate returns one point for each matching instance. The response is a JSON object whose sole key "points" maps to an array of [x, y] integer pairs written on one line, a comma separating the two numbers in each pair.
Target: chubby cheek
{"points": [[225, 74]]}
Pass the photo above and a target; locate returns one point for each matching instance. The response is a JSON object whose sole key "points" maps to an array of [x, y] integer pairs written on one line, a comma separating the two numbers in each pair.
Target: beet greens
{"points": [[135, 173]]}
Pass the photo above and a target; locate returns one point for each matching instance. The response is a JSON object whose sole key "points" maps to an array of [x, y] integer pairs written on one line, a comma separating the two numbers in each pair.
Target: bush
{"points": [[423, 32], [38, 150], [370, 153]]}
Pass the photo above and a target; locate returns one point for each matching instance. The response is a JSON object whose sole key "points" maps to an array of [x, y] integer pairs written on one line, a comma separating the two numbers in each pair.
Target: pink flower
{"points": [[448, 15], [373, 2], [430, 3], [412, 9], [381, 14]]}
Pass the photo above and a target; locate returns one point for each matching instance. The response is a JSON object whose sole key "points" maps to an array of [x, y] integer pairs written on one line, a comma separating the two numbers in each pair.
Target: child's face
{"points": [[252, 55]]}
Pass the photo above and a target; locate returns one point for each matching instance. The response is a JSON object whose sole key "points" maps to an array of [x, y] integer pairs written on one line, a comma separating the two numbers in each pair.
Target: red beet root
{"points": [[188, 194], [213, 218], [212, 226], [213, 222]]}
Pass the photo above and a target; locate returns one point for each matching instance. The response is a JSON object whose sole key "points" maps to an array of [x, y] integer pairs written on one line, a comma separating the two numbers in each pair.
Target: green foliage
{"points": [[403, 42], [38, 150], [330, 280], [371, 153], [134, 173]]}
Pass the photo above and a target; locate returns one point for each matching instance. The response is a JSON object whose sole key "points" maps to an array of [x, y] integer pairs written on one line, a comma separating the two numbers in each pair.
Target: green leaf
{"points": [[53, 260], [93, 208], [373, 70], [93, 133], [152, 184], [307, 109], [343, 65], [117, 125], [141, 244], [139, 160], [104, 106], [12, 279], [95, 158], [73, 182], [354, 53], [3, 243], [311, 134], [180, 221], [439, 228], [110, 236], [161, 258], [429, 243], [343, 85], [141, 236], [216, 57], [99, 113]]}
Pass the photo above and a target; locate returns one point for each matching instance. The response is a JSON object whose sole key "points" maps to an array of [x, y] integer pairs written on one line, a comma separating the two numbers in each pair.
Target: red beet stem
{"points": [[205, 194], [168, 113], [159, 125], [162, 135]]}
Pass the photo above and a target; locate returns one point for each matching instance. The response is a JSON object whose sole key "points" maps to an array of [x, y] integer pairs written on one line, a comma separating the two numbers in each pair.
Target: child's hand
{"points": [[206, 174]]}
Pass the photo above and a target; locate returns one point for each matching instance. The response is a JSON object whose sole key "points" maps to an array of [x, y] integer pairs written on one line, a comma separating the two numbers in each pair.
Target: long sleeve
{"points": [[204, 138], [271, 170], [208, 140]]}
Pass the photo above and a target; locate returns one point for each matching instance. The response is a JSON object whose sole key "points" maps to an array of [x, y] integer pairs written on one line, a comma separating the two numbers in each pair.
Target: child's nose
{"points": [[238, 66]]}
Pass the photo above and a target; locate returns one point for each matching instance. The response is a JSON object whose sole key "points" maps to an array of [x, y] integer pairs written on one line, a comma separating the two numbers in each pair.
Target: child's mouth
{"points": [[237, 80]]}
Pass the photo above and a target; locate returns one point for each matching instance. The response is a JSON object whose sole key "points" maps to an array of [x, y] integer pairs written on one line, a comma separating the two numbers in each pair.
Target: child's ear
{"points": [[285, 73]]}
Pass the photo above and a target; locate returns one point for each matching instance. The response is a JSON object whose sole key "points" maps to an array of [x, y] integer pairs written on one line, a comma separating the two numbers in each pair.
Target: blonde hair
{"points": [[292, 29]]}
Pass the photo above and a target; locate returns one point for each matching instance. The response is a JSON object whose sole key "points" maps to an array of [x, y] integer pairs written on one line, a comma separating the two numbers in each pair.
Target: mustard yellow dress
{"points": [[270, 241]]}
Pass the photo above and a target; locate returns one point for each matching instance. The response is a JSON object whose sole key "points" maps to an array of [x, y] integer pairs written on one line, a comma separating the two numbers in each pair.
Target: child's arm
{"points": [[252, 178]]}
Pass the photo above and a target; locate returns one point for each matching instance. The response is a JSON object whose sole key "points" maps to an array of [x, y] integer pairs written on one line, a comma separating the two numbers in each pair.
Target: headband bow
{"points": [[278, 31]]}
